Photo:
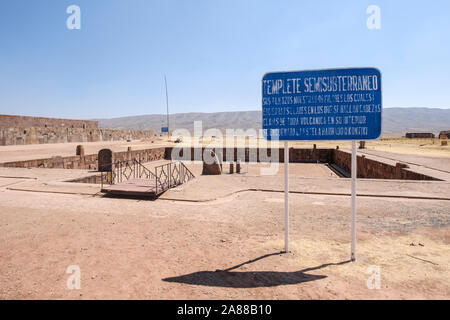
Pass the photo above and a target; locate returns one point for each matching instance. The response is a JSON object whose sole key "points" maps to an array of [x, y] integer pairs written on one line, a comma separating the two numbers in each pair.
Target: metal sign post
{"points": [[286, 197], [330, 104], [354, 176]]}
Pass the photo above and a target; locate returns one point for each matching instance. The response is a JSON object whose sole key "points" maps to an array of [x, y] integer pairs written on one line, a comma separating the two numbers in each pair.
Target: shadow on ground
{"points": [[250, 279]]}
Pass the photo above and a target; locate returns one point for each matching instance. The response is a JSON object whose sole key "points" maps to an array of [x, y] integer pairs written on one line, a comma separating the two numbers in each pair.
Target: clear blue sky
{"points": [[214, 52]]}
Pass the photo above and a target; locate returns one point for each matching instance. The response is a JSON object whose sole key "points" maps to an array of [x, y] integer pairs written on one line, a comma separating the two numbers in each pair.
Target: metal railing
{"points": [[171, 174], [166, 176], [124, 170]]}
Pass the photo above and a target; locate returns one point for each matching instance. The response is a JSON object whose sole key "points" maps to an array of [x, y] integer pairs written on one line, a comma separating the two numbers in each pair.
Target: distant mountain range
{"points": [[396, 121]]}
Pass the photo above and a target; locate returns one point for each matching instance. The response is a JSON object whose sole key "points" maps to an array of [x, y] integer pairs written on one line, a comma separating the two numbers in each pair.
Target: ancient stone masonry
{"points": [[252, 154], [212, 165], [7, 121], [16, 130], [142, 156], [89, 162], [80, 151], [20, 136], [367, 168], [19, 130], [105, 160]]}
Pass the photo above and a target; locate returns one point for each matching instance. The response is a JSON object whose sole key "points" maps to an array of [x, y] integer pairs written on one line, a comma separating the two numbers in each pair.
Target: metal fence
{"points": [[166, 176]]}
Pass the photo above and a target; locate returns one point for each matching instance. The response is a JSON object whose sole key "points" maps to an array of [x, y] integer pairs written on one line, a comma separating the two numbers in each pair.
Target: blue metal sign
{"points": [[335, 104], [164, 129]]}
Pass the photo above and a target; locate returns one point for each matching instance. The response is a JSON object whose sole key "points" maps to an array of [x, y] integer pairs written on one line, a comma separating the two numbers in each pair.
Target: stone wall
{"points": [[74, 162], [254, 154], [142, 156], [89, 162], [8, 121], [368, 168], [41, 135]]}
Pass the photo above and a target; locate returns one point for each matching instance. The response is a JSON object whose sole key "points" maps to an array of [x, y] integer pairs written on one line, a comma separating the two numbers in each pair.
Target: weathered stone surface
{"points": [[90, 161], [212, 165], [27, 135], [17, 130], [105, 160], [80, 150], [58, 162], [10, 121], [369, 168], [366, 167]]}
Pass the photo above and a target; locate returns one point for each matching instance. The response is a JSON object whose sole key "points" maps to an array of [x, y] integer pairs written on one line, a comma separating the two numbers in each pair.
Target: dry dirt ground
{"points": [[226, 248]]}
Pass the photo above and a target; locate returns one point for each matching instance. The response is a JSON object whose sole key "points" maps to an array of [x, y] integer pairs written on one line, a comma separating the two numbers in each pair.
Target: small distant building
{"points": [[444, 134], [419, 135]]}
